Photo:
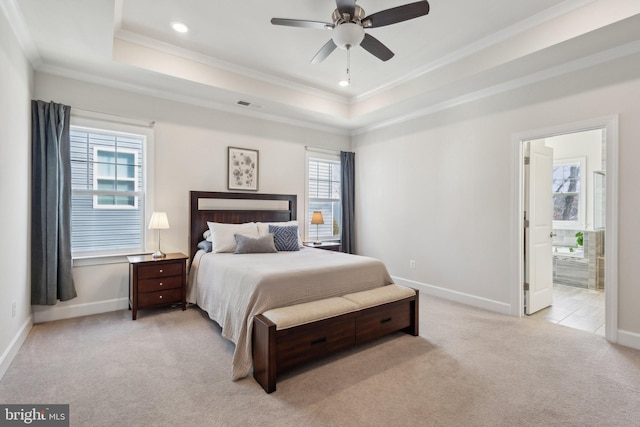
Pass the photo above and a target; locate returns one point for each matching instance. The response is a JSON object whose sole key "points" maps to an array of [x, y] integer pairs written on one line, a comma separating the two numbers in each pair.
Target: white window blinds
{"points": [[108, 199], [324, 195]]}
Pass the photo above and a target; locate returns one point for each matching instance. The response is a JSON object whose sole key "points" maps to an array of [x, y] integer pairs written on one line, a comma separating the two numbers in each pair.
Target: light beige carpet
{"points": [[469, 368]]}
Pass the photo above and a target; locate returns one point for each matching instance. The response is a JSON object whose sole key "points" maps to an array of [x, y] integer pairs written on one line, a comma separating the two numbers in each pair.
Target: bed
{"points": [[233, 288]]}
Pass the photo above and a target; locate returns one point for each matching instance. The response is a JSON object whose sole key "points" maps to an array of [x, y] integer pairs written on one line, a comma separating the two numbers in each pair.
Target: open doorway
{"points": [[602, 221], [573, 242]]}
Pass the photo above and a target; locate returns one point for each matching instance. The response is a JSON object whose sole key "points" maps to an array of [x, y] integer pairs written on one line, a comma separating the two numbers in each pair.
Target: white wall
{"points": [[438, 189], [190, 153], [15, 142]]}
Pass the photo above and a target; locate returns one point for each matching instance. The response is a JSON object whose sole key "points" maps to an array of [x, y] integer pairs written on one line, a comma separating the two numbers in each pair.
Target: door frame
{"points": [[610, 126]]}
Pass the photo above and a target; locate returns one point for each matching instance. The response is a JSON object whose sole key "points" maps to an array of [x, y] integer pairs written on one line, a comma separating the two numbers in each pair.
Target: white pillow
{"points": [[223, 235], [263, 228]]}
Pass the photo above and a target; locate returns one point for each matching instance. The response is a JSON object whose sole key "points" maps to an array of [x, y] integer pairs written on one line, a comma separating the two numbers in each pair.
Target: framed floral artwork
{"points": [[242, 171]]}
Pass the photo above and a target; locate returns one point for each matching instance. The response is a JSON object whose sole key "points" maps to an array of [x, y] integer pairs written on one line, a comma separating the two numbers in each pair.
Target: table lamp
{"points": [[317, 219], [158, 222]]}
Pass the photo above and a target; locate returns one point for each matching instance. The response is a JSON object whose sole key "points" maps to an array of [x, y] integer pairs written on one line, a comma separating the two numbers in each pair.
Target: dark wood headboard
{"points": [[198, 217]]}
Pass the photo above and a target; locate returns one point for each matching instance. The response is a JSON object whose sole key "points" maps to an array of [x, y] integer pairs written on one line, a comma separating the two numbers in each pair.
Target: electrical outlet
{"points": [[14, 304], [412, 263]]}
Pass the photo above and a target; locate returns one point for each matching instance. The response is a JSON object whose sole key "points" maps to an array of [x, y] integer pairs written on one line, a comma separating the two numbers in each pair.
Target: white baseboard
{"points": [[48, 314], [15, 344], [629, 339], [625, 338], [472, 300]]}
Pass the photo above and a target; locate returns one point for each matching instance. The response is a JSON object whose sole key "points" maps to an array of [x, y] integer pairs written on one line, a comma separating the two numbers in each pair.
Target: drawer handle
{"points": [[160, 296], [319, 341], [161, 283], [161, 271], [388, 319]]}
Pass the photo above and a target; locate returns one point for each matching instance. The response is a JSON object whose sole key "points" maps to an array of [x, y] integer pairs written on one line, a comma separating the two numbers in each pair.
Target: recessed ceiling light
{"points": [[344, 83], [179, 27]]}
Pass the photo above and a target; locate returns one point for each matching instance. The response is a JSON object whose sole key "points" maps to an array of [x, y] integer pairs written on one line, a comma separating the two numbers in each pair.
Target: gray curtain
{"points": [[51, 263], [348, 186]]}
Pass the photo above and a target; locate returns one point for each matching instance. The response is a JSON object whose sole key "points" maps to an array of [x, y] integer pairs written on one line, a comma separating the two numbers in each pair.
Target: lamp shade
{"points": [[316, 218], [347, 35], [158, 221]]}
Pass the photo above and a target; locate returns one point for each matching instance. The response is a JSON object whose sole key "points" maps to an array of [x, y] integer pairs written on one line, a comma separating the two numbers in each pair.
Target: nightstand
{"points": [[329, 246], [157, 282]]}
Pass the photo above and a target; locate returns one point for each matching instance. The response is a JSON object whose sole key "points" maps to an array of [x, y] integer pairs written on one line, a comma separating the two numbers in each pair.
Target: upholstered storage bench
{"points": [[289, 336]]}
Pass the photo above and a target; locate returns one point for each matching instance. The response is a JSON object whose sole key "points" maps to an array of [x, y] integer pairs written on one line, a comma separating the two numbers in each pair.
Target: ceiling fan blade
{"points": [[346, 6], [396, 14], [301, 23], [325, 51], [376, 48]]}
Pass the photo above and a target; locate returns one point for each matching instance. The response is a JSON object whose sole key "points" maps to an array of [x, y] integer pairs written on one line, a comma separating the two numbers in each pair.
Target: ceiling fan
{"points": [[349, 23]]}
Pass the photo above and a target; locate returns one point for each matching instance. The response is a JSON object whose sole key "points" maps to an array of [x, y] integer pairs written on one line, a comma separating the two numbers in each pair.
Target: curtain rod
{"points": [[321, 150], [109, 117]]}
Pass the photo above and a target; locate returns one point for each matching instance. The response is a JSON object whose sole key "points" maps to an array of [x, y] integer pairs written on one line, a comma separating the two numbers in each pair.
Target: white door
{"points": [[538, 235]]}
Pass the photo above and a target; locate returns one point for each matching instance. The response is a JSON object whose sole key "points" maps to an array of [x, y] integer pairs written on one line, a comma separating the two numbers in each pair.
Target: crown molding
{"points": [[15, 18], [568, 67], [148, 42], [559, 70], [476, 47], [190, 100]]}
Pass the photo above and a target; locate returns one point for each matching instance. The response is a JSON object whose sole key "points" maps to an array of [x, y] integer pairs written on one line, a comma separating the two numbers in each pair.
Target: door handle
{"points": [[552, 234]]}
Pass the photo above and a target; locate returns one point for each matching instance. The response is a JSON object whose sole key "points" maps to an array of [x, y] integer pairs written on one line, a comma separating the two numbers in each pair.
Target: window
{"points": [[567, 188], [107, 192], [324, 196], [115, 171]]}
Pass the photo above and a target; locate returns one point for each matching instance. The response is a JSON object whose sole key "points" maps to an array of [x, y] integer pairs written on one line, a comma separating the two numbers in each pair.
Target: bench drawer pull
{"points": [[319, 341], [388, 319]]}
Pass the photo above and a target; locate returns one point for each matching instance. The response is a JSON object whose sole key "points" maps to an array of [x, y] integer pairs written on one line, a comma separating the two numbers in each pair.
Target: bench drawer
{"points": [[383, 320], [315, 340]]}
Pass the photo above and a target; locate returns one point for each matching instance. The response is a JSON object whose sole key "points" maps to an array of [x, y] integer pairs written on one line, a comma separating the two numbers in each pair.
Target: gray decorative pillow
{"points": [[250, 245], [285, 237], [205, 245]]}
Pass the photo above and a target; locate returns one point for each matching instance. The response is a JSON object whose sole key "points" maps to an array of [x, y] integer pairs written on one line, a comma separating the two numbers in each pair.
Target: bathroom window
{"points": [[568, 193]]}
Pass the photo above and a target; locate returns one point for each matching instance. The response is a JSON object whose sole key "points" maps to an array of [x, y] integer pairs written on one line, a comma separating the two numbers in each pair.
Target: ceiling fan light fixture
{"points": [[347, 35], [349, 22]]}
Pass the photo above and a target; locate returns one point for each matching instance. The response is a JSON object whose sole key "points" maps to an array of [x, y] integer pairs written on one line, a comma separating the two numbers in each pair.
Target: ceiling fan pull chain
{"points": [[349, 66]]}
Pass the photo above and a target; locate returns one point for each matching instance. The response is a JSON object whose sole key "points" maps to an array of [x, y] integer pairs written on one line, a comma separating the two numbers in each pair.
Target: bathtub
{"points": [[566, 251], [570, 268]]}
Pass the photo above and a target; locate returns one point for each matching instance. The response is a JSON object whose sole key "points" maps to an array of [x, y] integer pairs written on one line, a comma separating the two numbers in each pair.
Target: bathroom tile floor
{"points": [[576, 308]]}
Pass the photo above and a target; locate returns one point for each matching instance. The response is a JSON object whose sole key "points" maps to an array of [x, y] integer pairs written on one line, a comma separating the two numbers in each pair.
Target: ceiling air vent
{"points": [[249, 104]]}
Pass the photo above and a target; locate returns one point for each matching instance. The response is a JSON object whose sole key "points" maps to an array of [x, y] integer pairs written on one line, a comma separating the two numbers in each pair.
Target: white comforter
{"points": [[233, 288]]}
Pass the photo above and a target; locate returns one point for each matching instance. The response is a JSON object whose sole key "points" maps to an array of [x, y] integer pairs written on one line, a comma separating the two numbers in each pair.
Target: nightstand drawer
{"points": [[159, 283], [170, 296], [159, 270]]}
